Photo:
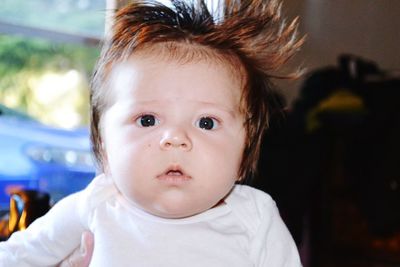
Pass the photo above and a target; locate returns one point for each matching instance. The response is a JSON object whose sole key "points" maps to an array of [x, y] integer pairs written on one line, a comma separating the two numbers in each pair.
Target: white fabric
{"points": [[245, 231]]}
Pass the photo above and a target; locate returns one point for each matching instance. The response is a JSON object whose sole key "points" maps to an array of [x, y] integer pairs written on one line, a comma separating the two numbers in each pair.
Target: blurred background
{"points": [[47, 53], [330, 158]]}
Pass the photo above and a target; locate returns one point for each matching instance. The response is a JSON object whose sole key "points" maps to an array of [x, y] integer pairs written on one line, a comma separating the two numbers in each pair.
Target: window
{"points": [[47, 52]]}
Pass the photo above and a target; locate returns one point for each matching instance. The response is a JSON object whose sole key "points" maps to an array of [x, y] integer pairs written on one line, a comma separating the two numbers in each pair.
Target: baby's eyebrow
{"points": [[230, 111], [159, 103]]}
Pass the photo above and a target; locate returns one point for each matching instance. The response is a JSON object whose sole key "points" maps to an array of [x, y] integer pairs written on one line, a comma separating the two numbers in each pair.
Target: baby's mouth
{"points": [[175, 175]]}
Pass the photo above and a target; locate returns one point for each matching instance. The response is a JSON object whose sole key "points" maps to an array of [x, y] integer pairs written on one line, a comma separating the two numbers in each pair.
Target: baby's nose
{"points": [[176, 138]]}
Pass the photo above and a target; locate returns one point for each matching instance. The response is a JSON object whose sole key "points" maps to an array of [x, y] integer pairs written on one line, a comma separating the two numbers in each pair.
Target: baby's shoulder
{"points": [[251, 206]]}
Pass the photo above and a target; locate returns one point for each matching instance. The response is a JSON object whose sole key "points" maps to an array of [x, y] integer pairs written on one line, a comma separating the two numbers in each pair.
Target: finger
{"points": [[87, 246]]}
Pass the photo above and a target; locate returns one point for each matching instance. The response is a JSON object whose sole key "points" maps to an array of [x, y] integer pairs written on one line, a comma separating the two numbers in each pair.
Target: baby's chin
{"points": [[179, 210], [174, 203]]}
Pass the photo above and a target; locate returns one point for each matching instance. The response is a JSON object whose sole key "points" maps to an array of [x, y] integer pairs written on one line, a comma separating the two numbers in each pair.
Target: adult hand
{"points": [[82, 255]]}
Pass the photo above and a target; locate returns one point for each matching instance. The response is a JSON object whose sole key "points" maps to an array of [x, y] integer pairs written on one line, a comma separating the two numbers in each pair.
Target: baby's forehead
{"points": [[185, 53], [148, 76], [178, 56]]}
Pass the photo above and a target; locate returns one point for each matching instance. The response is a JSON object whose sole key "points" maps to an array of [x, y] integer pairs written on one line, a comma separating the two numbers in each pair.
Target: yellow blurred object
{"points": [[340, 101]]}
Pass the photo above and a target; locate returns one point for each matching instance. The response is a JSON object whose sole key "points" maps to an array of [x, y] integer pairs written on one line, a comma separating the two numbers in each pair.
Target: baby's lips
{"points": [[174, 173], [175, 170]]}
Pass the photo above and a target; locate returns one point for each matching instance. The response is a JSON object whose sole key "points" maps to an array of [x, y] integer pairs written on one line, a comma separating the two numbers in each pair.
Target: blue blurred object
{"points": [[40, 157]]}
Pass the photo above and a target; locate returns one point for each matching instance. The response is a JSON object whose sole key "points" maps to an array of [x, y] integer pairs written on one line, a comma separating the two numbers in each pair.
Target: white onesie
{"points": [[244, 231]]}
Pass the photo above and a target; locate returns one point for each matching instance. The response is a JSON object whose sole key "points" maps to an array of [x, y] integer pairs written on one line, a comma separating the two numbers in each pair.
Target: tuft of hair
{"points": [[251, 32], [254, 29]]}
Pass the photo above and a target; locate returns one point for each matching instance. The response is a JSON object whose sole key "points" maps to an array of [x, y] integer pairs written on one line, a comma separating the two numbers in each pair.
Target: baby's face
{"points": [[173, 134]]}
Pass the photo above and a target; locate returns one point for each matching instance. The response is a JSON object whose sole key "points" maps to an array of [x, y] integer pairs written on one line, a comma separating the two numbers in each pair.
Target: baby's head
{"points": [[180, 100]]}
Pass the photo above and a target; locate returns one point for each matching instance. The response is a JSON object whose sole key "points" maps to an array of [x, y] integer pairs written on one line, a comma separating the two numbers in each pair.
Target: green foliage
{"points": [[26, 62], [23, 59], [18, 54]]}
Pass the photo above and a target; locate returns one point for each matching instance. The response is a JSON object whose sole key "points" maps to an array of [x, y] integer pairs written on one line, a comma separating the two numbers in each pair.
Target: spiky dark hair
{"points": [[251, 33]]}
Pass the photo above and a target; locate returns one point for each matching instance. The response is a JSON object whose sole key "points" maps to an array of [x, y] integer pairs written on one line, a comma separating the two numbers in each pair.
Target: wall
{"points": [[368, 28]]}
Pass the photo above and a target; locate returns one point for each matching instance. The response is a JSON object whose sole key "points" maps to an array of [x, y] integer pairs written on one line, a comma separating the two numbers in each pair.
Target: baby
{"points": [[179, 102]]}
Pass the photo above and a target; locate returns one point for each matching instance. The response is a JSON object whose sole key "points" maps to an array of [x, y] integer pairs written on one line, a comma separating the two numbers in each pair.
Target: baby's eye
{"points": [[207, 123], [146, 120]]}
